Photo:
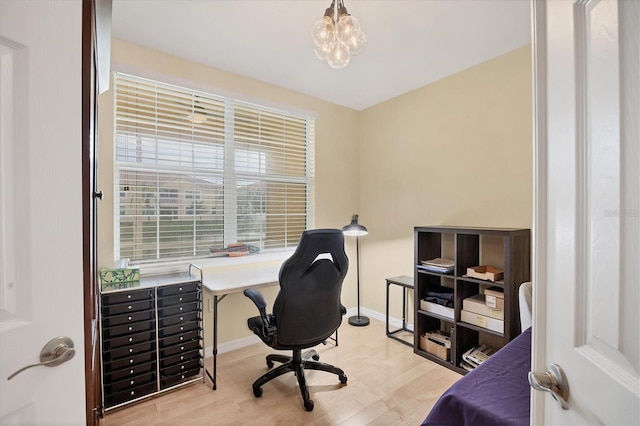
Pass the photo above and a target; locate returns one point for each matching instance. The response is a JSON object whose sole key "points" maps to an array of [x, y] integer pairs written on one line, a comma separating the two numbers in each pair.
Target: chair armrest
{"points": [[343, 310], [258, 299]]}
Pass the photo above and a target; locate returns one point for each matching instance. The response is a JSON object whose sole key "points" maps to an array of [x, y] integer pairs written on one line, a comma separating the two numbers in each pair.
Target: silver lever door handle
{"points": [[553, 381], [55, 352]]}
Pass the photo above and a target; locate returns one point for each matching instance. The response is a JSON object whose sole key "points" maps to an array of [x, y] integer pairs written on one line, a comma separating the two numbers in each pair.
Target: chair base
{"points": [[297, 363]]}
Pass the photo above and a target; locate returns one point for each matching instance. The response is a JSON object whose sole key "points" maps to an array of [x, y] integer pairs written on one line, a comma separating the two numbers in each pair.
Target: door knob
{"points": [[553, 381], [55, 352]]}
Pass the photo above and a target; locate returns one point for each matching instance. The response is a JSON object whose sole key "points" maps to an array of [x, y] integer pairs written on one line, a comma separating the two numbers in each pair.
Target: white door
{"points": [[587, 214], [40, 209]]}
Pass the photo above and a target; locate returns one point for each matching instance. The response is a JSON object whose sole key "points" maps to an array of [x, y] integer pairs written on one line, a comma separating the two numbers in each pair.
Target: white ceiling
{"points": [[410, 42]]}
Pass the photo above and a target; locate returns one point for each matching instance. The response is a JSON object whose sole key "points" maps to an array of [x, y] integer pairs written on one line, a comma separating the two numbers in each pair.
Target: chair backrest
{"points": [[526, 305], [307, 309]]}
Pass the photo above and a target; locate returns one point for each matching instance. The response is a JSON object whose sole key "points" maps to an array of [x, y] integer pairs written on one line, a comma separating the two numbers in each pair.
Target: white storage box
{"points": [[437, 309], [477, 305], [482, 321]]}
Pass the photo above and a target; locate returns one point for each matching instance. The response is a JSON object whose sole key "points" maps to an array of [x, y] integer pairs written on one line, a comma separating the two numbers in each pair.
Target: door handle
{"points": [[553, 381], [55, 352]]}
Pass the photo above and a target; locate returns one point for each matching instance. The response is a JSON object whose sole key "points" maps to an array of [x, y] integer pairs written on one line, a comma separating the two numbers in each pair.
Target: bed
{"points": [[495, 393]]}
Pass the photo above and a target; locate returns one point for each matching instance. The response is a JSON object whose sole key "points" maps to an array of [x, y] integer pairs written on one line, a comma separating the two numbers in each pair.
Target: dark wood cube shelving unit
{"points": [[465, 246]]}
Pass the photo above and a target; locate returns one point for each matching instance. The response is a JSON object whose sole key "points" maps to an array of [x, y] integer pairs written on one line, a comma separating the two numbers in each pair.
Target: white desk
{"points": [[222, 283]]}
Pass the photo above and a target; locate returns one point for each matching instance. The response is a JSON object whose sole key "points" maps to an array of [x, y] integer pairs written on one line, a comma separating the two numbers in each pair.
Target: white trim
{"points": [[539, 243], [253, 339]]}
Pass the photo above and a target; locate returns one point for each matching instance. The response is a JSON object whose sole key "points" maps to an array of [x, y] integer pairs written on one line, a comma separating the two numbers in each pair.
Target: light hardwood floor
{"points": [[387, 385]]}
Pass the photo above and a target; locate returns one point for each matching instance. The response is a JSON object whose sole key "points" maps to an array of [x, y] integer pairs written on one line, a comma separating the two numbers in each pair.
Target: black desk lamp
{"points": [[354, 229]]}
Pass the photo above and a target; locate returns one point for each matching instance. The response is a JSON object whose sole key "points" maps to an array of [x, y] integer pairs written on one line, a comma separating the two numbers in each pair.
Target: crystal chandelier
{"points": [[337, 42]]}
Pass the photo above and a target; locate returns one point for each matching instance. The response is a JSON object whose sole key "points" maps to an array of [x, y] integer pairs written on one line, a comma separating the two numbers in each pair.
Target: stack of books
{"points": [[476, 356], [440, 265]]}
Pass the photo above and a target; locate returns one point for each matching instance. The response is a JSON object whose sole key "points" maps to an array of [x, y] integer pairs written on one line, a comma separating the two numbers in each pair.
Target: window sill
{"points": [[214, 263]]}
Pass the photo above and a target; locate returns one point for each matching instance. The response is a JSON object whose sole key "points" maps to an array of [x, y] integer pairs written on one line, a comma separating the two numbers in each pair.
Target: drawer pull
{"points": [[128, 296], [129, 307], [129, 318], [130, 328], [181, 328], [130, 371], [133, 392], [180, 289], [181, 318], [182, 367], [182, 376], [182, 348], [130, 339], [181, 357], [180, 307], [131, 361], [132, 382], [181, 337], [180, 299], [130, 350]]}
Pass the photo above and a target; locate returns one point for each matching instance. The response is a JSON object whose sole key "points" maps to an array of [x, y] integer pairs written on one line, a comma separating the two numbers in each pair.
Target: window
{"points": [[195, 171]]}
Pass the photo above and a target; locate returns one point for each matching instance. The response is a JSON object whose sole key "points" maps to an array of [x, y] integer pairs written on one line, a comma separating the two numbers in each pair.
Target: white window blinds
{"points": [[195, 171]]}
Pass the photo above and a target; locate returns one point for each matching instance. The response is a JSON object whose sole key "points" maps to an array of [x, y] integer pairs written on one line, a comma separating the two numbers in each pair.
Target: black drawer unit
{"points": [[151, 338]]}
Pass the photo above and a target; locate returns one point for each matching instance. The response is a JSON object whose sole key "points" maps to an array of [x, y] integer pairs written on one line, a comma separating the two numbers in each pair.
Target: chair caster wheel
{"points": [[269, 364], [257, 392], [316, 357], [308, 405], [343, 379]]}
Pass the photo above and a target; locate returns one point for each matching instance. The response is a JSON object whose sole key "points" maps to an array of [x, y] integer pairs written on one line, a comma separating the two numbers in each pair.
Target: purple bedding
{"points": [[496, 393]]}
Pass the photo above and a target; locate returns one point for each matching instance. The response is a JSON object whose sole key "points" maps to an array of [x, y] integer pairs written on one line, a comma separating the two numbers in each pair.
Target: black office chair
{"points": [[307, 309]]}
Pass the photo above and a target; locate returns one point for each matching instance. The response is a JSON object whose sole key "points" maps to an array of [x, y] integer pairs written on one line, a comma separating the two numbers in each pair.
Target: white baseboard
{"points": [[250, 340]]}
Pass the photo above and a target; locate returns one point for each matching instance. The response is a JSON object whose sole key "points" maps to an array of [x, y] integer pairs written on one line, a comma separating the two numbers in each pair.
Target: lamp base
{"points": [[359, 320]]}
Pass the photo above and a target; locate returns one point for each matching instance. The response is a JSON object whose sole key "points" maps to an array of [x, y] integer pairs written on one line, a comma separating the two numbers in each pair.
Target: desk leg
{"points": [[404, 308], [387, 320], [215, 341]]}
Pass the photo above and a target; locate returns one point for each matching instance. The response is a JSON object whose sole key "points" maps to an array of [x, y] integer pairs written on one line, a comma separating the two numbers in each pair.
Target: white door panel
{"points": [[587, 211], [40, 209]]}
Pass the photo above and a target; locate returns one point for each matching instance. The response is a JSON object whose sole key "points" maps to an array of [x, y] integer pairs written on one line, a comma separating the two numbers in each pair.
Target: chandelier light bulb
{"points": [[356, 43], [323, 51], [339, 56], [337, 36], [348, 27], [324, 31]]}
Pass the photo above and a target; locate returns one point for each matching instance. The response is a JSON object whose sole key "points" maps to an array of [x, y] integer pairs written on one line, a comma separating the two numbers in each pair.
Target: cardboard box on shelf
{"points": [[494, 298], [482, 321], [436, 343], [477, 305], [485, 272]]}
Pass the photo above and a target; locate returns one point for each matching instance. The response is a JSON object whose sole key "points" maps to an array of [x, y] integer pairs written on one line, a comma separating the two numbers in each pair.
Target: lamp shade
{"points": [[354, 229]]}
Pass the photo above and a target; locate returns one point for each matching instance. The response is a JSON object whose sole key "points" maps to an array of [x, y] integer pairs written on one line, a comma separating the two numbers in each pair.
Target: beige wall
{"points": [[454, 152], [336, 171]]}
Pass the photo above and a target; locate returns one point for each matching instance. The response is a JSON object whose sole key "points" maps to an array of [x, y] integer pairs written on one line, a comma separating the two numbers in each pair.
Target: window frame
{"points": [[230, 176]]}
